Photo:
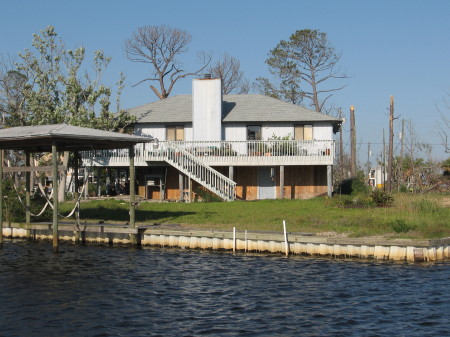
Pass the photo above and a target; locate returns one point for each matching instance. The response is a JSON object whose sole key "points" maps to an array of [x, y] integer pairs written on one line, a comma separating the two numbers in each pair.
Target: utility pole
{"points": [[341, 147], [384, 162], [353, 141], [391, 142], [368, 159], [402, 140]]}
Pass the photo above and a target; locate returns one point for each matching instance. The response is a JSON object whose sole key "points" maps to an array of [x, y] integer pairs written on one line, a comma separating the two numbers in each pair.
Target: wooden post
{"points": [[108, 181], [75, 178], [76, 184], [281, 181], [234, 239], [353, 141], [99, 175], [55, 196], [27, 191], [341, 149], [286, 242], [86, 181], [181, 186], [1, 198], [27, 196], [384, 162], [246, 242], [132, 188], [391, 143], [330, 180], [190, 190]]}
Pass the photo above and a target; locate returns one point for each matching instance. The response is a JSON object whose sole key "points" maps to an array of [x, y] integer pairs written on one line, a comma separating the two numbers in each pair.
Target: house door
{"points": [[266, 183]]}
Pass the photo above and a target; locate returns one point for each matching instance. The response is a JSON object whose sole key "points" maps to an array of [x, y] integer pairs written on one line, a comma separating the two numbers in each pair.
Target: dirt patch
{"points": [[332, 234]]}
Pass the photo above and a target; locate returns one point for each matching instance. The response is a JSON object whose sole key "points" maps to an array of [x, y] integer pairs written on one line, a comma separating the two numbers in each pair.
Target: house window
{"points": [[303, 132], [254, 132], [175, 132]]}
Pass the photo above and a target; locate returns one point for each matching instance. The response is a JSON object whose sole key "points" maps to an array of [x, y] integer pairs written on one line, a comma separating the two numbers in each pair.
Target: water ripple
{"points": [[103, 291]]}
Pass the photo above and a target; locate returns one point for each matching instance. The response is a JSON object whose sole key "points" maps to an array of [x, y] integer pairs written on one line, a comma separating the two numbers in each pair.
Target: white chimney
{"points": [[207, 109]]}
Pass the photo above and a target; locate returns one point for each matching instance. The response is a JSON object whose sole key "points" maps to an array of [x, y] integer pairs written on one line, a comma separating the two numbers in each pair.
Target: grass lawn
{"points": [[411, 216]]}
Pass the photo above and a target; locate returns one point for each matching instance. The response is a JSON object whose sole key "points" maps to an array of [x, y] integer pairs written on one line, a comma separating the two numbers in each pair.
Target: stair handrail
{"points": [[200, 172]]}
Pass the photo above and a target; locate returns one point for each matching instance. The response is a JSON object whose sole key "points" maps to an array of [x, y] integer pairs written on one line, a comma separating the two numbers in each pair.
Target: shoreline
{"points": [[411, 250]]}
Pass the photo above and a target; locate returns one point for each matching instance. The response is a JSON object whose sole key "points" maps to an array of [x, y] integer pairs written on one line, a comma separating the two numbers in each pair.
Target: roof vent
{"points": [[207, 76]]}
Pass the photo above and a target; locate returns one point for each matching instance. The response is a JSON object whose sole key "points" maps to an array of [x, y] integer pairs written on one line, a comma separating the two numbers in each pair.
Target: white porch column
{"points": [[231, 172]]}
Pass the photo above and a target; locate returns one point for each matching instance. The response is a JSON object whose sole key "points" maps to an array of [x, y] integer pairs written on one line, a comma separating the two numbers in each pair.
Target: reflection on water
{"points": [[102, 291]]}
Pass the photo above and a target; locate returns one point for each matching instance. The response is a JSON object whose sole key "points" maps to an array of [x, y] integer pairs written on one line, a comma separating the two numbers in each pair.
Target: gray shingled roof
{"points": [[236, 108], [176, 109], [39, 138]]}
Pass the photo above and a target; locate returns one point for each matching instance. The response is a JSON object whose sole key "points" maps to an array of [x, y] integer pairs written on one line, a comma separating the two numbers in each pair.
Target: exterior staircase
{"points": [[203, 174]]}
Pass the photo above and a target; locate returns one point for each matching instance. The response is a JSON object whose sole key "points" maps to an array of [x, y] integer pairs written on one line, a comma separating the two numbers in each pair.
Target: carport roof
{"points": [[40, 138]]}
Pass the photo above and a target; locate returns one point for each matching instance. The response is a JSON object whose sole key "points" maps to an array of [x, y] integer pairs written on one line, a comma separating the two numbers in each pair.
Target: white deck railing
{"points": [[269, 152], [226, 153]]}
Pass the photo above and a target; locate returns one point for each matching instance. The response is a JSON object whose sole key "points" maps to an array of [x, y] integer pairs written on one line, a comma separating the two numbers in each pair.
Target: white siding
{"points": [[277, 129], [322, 131], [156, 131], [238, 131], [235, 132], [188, 133], [159, 131]]}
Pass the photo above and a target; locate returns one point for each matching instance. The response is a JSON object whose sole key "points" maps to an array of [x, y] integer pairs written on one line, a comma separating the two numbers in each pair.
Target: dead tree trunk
{"points": [[391, 144], [353, 141]]}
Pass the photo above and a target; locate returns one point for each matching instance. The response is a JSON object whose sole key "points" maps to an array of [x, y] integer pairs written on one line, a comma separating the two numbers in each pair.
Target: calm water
{"points": [[102, 291]]}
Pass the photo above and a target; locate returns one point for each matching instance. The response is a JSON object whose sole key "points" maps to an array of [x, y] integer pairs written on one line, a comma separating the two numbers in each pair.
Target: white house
{"points": [[244, 147]]}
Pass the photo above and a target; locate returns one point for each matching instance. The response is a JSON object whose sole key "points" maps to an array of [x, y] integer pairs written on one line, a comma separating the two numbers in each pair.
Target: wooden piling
{"points": [[132, 188], [234, 239], [286, 242], [1, 198], [55, 196]]}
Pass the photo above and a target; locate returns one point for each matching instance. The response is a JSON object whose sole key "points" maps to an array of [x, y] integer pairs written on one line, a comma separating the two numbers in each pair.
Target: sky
{"points": [[398, 48]]}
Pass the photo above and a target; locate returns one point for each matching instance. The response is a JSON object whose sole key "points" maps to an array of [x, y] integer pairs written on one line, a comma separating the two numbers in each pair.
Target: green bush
{"points": [[400, 226], [354, 186], [381, 198], [12, 209]]}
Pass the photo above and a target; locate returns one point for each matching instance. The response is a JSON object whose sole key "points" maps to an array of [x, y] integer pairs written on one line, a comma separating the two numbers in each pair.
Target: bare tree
{"points": [[159, 46], [228, 69], [307, 57], [443, 128]]}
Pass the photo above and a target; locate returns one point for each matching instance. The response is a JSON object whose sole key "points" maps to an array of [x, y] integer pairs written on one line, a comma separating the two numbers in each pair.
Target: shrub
{"points": [[12, 209], [400, 226], [381, 198], [353, 186]]}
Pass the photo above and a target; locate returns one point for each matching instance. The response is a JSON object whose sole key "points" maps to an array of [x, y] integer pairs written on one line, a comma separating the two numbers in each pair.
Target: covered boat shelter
{"points": [[62, 137]]}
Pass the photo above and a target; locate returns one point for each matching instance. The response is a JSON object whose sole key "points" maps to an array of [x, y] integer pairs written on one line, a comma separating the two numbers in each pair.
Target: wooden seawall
{"points": [[241, 241]]}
